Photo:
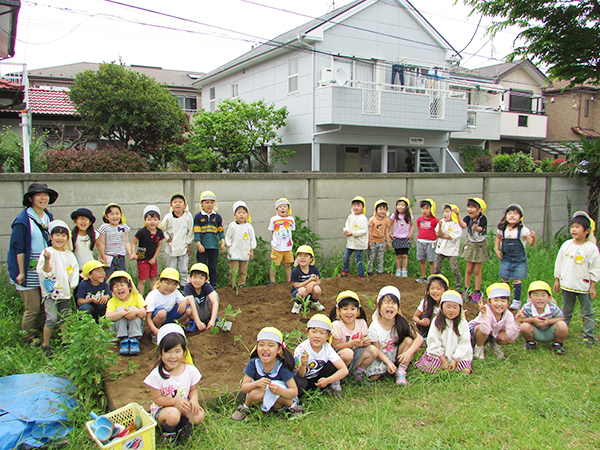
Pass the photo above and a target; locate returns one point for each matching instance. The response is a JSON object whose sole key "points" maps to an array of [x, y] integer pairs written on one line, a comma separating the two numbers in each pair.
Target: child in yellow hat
{"points": [[356, 231], [306, 280], [403, 227], [426, 238], [379, 236], [448, 243], [209, 234], [240, 241], [93, 292]]}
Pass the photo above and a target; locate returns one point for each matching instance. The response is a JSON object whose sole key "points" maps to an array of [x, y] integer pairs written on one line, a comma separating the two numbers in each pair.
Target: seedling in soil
{"points": [[305, 302], [223, 324]]}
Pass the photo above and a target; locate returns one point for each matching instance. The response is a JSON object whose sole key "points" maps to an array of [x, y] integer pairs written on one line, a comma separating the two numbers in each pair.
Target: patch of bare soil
{"points": [[221, 358]]}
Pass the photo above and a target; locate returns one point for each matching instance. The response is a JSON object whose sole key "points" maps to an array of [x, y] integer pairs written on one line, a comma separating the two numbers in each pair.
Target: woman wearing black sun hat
{"points": [[29, 237]]}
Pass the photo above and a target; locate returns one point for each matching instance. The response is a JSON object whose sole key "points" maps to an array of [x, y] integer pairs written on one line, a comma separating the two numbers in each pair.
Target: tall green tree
{"points": [[128, 108], [238, 134], [563, 34], [584, 161]]}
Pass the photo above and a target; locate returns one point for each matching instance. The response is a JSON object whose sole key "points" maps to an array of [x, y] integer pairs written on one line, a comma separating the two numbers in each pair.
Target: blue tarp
{"points": [[32, 409]]}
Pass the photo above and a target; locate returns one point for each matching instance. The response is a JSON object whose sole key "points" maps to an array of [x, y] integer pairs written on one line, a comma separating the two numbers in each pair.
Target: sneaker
{"points": [[421, 280], [134, 346], [317, 305], [241, 412], [361, 377], [530, 345], [497, 350], [296, 409], [47, 350], [516, 304], [401, 375], [171, 439], [334, 389], [296, 308], [360, 276], [241, 286], [398, 273], [404, 273], [191, 326], [153, 338], [344, 274], [478, 353], [371, 274], [477, 296], [587, 340], [124, 347], [558, 348]]}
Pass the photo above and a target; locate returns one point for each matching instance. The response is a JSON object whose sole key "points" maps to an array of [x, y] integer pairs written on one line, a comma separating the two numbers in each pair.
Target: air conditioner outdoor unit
{"points": [[326, 77]]}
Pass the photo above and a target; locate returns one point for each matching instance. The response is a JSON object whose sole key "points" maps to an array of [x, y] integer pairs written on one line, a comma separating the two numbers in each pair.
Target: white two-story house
{"points": [[366, 86]]}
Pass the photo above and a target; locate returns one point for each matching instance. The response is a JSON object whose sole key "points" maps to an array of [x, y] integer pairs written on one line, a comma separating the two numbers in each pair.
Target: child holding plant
{"points": [[475, 250], [449, 340], [513, 236], [178, 228], [203, 299], [83, 235], [174, 386], [281, 225], [306, 280], [126, 309], [209, 233], [269, 377], [113, 243], [394, 338], [429, 307], [241, 242], [318, 366], [403, 227], [59, 274], [350, 334], [495, 325]]}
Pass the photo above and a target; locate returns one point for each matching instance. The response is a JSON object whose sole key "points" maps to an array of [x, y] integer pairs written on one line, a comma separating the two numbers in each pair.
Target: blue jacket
{"points": [[20, 242]]}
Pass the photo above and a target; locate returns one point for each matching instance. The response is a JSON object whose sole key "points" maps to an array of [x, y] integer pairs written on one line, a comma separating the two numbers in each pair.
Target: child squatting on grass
{"points": [[429, 307], [394, 338], [269, 377], [495, 325], [449, 340], [174, 386], [306, 280], [59, 274], [318, 366], [576, 272], [126, 309], [93, 292], [350, 334], [203, 299], [542, 319]]}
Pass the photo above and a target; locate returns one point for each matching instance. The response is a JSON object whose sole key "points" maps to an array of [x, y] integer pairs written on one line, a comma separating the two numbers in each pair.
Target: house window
{"points": [[523, 121], [586, 109], [235, 90], [521, 101], [293, 75], [187, 103], [212, 100]]}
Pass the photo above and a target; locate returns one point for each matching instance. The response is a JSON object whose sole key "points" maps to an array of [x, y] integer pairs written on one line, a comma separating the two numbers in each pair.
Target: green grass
{"points": [[530, 400]]}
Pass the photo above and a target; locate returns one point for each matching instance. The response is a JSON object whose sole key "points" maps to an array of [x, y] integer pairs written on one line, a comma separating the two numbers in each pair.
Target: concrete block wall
{"points": [[323, 199]]}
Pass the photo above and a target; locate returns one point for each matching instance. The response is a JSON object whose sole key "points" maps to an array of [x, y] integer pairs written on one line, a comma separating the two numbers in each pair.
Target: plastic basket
{"points": [[138, 440]]}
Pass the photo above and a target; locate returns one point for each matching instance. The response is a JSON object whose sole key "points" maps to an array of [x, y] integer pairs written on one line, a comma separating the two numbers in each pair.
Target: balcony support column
{"points": [[443, 156], [315, 158], [384, 159]]}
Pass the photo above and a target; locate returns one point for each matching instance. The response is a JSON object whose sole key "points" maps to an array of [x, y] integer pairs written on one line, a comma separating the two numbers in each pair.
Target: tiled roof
{"points": [[560, 85], [9, 85], [51, 101]]}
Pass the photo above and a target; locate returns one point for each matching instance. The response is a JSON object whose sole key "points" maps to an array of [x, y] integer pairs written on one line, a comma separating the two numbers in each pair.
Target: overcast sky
{"points": [[57, 32]]}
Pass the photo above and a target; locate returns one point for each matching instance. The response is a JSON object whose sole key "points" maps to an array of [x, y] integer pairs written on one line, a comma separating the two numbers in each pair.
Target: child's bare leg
{"points": [[404, 262], [46, 334], [431, 267], [288, 271], [368, 356], [160, 318], [255, 396], [561, 331], [423, 264], [503, 339], [272, 270], [477, 268], [169, 416], [195, 419], [480, 337], [314, 291], [399, 262], [141, 286], [469, 274], [527, 331], [347, 355]]}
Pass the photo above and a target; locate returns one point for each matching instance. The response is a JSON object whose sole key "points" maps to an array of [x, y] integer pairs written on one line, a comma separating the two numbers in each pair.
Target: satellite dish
{"points": [[340, 76]]}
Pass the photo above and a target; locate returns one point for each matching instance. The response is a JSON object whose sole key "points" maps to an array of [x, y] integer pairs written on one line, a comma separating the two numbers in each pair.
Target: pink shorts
{"points": [[147, 270]]}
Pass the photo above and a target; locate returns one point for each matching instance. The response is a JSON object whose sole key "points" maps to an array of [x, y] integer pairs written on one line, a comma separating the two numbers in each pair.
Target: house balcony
{"points": [[390, 106], [483, 124], [523, 125]]}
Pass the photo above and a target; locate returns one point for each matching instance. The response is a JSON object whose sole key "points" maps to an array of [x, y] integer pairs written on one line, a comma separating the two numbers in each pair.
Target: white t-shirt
{"points": [[156, 300], [512, 233], [82, 249], [386, 338], [282, 228], [421, 307], [316, 361], [175, 386], [448, 247]]}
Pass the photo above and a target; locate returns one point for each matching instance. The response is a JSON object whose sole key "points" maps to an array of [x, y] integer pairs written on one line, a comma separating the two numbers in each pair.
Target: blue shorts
{"points": [[490, 339], [172, 315]]}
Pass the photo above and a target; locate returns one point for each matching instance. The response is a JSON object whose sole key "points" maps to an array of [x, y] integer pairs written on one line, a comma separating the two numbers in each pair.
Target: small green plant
{"points": [[502, 163], [369, 301], [522, 162], [87, 356], [224, 322], [305, 302]]}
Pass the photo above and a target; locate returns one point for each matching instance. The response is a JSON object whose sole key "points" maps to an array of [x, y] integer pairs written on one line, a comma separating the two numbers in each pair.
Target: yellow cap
{"points": [[380, 202], [440, 276], [359, 198], [270, 334], [305, 249], [403, 199], [432, 204], [480, 202], [208, 195], [200, 267], [539, 286], [122, 273], [347, 294], [453, 216], [170, 273], [110, 205], [89, 266], [498, 290], [284, 201], [319, 321]]}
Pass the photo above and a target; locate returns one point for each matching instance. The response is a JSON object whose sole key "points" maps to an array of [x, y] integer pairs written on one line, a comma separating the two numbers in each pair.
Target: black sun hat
{"points": [[83, 212], [39, 188]]}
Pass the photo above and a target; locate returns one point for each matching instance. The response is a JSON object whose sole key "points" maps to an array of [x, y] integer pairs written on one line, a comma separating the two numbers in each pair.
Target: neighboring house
{"points": [[506, 107], [53, 112], [572, 112], [366, 86]]}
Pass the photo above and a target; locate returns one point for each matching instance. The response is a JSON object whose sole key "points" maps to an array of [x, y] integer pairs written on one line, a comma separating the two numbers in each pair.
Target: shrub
{"points": [[483, 164], [522, 162], [85, 160], [502, 163], [469, 157]]}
